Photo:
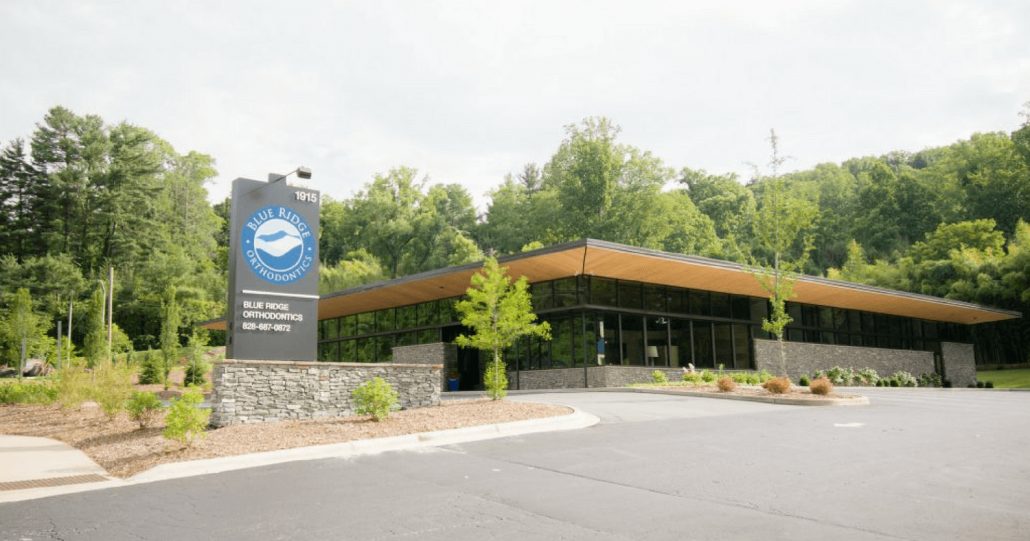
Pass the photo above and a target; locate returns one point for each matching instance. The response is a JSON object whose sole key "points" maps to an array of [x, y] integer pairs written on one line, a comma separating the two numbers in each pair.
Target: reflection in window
{"points": [[629, 295], [633, 340], [703, 353], [611, 348], [561, 343], [542, 295], [741, 347], [406, 317], [658, 339], [565, 293], [385, 346], [654, 298], [428, 336], [385, 320], [428, 313], [679, 340], [347, 354], [723, 344], [366, 350], [721, 305], [603, 292], [366, 324], [699, 305], [348, 326], [328, 352]]}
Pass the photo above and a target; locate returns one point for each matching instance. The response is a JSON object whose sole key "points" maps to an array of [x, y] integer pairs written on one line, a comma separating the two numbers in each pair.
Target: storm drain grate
{"points": [[52, 482]]}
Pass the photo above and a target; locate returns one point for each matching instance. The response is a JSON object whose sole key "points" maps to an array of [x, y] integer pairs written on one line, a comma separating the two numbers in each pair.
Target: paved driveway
{"points": [[913, 465]]}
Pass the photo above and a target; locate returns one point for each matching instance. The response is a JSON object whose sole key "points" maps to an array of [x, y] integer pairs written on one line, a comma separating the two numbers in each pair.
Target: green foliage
{"points": [[867, 376], [1007, 379], [74, 384], [659, 377], [358, 268], [112, 386], [186, 422], [499, 311], [903, 379], [841, 376], [989, 384], [197, 366], [40, 391], [22, 323], [804, 381], [170, 323], [692, 377], [495, 379], [708, 376], [375, 397], [144, 408], [94, 347], [930, 380], [151, 369]]}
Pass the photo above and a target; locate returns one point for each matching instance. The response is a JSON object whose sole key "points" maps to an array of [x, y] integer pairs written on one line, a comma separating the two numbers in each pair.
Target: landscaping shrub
{"points": [[804, 381], [659, 377], [930, 380], [112, 386], [989, 385], [841, 376], [777, 385], [377, 398], [707, 376], [868, 376], [43, 391], [764, 376], [821, 386], [74, 384], [946, 384], [196, 367], [727, 384], [495, 379], [144, 408], [150, 371], [185, 422], [904, 379], [692, 377], [894, 383]]}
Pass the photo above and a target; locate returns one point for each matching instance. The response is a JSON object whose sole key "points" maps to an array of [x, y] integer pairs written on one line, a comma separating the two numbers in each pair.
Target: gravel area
{"points": [[123, 449]]}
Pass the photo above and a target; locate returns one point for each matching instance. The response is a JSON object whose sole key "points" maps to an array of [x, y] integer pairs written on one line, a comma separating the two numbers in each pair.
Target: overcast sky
{"points": [[470, 91]]}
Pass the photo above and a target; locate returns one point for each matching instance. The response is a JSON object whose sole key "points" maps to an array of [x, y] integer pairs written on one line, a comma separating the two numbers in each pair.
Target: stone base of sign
{"points": [[269, 391]]}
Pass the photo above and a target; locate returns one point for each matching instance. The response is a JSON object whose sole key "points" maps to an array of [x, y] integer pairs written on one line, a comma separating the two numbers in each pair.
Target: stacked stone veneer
{"points": [[595, 377], [805, 358], [440, 353], [269, 391], [959, 363]]}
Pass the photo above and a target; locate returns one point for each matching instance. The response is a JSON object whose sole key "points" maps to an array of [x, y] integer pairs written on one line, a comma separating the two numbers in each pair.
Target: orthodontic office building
{"points": [[619, 312]]}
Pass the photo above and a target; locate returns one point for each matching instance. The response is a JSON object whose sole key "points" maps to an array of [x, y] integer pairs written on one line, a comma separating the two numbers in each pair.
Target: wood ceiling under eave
{"points": [[627, 263]]}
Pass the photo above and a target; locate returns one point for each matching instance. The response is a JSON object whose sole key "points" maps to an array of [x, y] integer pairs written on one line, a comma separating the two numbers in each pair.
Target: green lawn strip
{"points": [[1007, 379]]}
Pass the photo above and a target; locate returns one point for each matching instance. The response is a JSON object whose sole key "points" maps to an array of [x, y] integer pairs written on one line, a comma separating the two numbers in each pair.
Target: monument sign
{"points": [[273, 272]]}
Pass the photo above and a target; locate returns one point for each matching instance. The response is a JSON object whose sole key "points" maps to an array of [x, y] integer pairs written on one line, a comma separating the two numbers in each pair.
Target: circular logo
{"points": [[278, 244]]}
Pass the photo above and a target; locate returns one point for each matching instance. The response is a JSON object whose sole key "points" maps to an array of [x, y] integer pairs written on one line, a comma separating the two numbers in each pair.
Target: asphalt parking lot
{"points": [[915, 464]]}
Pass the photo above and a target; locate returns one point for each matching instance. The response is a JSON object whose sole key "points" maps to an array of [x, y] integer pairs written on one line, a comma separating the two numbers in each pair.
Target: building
{"points": [[618, 312]]}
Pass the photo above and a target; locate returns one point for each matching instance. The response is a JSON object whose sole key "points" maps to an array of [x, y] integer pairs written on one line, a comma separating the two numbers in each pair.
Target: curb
{"points": [[859, 400], [574, 420]]}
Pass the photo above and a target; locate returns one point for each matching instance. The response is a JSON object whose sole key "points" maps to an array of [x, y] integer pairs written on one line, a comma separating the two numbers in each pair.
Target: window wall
{"points": [[615, 322]]}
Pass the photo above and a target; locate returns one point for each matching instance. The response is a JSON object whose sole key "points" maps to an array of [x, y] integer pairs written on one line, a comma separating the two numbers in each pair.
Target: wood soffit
{"points": [[609, 260]]}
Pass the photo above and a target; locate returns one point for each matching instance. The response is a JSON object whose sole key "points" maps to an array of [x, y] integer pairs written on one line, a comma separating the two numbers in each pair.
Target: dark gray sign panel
{"points": [[273, 272]]}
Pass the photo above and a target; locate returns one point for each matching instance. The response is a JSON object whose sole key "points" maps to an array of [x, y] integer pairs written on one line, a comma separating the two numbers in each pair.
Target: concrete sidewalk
{"points": [[33, 468]]}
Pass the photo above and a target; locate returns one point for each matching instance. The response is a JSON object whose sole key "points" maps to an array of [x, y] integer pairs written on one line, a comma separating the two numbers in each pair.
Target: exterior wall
{"points": [[270, 391], [597, 377], [959, 363], [440, 353], [803, 358]]}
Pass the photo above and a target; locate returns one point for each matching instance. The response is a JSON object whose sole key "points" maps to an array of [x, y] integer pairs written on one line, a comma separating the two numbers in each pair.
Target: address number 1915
{"points": [[306, 197]]}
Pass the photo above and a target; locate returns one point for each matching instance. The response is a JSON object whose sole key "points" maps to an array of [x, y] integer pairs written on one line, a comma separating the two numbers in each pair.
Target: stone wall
{"points": [[805, 358], [441, 353], [959, 363], [269, 391]]}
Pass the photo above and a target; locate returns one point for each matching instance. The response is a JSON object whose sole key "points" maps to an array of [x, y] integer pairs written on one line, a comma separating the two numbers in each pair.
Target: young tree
{"points": [[95, 343], [170, 321], [782, 228], [500, 312], [21, 325]]}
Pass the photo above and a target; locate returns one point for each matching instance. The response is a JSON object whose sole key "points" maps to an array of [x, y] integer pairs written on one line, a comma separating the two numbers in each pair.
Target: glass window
{"points": [[679, 300], [603, 292], [679, 340], [703, 354], [930, 329], [657, 341], [542, 295], [825, 317], [329, 352], [365, 350], [629, 295], [721, 305], [794, 335], [406, 317], [561, 343], [366, 324], [448, 312], [407, 339], [632, 340], [882, 327], [565, 293], [428, 336], [759, 308], [826, 337], [809, 315], [741, 307], [699, 305], [385, 346], [854, 321], [795, 313], [536, 356], [917, 328], [328, 329], [348, 326], [654, 298], [385, 320], [611, 347], [868, 322], [856, 339], [428, 313], [347, 351], [840, 319], [723, 344], [741, 347]]}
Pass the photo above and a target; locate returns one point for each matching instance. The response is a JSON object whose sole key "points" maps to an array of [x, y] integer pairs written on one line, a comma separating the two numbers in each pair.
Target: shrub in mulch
{"points": [[821, 386], [727, 384], [778, 385]]}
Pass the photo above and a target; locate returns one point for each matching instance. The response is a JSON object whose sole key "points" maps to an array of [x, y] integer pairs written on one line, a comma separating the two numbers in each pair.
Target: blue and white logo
{"points": [[278, 244]]}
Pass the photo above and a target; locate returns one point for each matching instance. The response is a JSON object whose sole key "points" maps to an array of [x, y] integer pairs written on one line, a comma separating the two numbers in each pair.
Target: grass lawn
{"points": [[1007, 379]]}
